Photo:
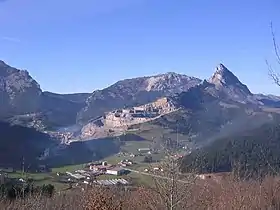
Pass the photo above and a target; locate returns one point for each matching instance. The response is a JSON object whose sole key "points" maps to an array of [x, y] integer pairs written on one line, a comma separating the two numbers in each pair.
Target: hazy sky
{"points": [[79, 46]]}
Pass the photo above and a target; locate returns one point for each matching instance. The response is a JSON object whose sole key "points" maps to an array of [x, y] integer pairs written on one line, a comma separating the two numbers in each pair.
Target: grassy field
{"points": [[69, 168], [133, 146], [39, 178]]}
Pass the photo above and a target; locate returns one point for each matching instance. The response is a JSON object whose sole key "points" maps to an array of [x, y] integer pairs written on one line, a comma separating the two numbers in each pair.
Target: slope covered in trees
{"points": [[17, 142], [253, 153]]}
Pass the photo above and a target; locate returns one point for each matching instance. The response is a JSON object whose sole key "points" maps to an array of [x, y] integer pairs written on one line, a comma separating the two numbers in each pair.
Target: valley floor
{"points": [[135, 178]]}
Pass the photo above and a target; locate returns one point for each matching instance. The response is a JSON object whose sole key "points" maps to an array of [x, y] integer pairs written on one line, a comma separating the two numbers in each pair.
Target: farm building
{"points": [[116, 171]]}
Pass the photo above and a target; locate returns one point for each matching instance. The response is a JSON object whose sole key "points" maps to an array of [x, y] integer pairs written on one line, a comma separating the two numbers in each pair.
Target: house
{"points": [[101, 167], [116, 171], [98, 168]]}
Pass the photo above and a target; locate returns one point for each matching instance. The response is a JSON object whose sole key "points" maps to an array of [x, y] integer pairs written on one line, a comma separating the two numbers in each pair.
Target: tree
{"points": [[171, 189], [272, 73], [48, 190]]}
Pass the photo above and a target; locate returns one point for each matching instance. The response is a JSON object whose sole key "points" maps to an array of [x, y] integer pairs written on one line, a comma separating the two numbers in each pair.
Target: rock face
{"points": [[135, 92], [19, 93]]}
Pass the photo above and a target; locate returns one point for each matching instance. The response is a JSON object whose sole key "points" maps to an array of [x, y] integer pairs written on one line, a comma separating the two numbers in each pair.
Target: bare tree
{"points": [[272, 73], [173, 189]]}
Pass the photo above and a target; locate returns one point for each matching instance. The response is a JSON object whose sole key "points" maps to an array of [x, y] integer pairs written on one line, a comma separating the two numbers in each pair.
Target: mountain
{"points": [[163, 107], [134, 92], [219, 106], [22, 100], [203, 108]]}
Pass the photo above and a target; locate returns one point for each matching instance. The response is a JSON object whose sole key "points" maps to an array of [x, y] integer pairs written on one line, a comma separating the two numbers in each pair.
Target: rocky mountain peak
{"points": [[223, 79], [221, 67], [222, 76]]}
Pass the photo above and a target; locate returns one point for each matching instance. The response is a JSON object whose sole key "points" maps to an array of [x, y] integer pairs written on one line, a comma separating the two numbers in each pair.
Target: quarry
{"points": [[117, 121]]}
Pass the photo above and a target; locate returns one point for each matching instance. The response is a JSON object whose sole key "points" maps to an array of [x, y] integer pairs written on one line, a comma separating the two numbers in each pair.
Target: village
{"points": [[89, 174], [92, 173]]}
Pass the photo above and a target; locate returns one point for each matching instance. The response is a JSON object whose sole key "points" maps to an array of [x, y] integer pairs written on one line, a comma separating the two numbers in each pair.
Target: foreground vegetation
{"points": [[229, 193]]}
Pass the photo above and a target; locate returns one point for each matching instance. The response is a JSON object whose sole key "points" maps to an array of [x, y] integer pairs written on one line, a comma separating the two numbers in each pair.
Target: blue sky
{"points": [[80, 46]]}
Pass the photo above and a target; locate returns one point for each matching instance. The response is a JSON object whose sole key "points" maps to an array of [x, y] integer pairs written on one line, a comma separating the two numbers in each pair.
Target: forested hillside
{"points": [[17, 142], [254, 152]]}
